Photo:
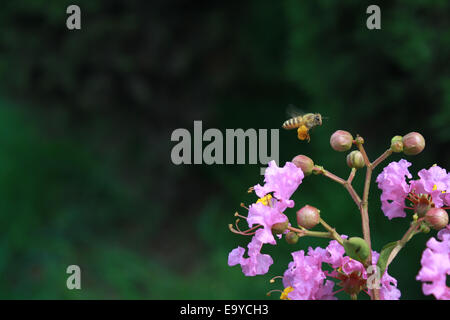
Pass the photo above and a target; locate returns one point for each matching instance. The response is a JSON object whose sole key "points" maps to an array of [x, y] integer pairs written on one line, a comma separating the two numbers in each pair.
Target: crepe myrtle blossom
{"points": [[306, 280], [424, 193], [436, 266], [256, 264], [348, 264], [267, 213], [282, 182]]}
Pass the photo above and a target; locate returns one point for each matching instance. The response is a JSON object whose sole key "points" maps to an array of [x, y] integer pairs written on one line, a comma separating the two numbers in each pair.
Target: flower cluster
{"points": [[265, 213], [306, 280], [349, 263], [424, 193]]}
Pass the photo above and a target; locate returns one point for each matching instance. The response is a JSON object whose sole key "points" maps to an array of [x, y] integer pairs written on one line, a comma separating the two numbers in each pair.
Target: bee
{"points": [[303, 122]]}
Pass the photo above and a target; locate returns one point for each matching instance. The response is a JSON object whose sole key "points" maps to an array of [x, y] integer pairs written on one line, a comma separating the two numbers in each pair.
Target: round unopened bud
{"points": [[279, 228], [305, 163], [355, 160], [341, 140], [291, 238], [437, 218], [413, 143], [357, 248], [397, 144], [308, 217]]}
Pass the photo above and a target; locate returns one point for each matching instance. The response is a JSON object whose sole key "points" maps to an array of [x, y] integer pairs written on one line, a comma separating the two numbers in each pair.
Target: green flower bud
{"points": [[305, 163], [397, 144], [279, 228], [357, 248], [291, 238], [308, 217], [355, 160], [341, 140], [437, 218], [413, 143], [424, 228]]}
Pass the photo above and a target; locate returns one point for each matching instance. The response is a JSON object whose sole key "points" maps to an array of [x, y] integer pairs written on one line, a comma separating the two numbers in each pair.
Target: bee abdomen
{"points": [[291, 123]]}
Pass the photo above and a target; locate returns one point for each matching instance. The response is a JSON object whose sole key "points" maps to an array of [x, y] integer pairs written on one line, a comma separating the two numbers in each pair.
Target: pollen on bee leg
{"points": [[302, 133]]}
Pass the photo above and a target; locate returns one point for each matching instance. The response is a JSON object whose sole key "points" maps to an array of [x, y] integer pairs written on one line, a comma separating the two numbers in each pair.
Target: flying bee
{"points": [[303, 122]]}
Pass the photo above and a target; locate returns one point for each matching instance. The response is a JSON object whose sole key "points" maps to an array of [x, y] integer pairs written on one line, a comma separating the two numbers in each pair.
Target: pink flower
{"points": [[436, 266], [435, 182], [308, 281], [281, 181], [266, 216], [430, 190], [306, 277], [392, 181], [255, 264]]}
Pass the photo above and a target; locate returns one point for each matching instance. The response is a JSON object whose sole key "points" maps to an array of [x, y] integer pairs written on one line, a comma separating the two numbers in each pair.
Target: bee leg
{"points": [[308, 137]]}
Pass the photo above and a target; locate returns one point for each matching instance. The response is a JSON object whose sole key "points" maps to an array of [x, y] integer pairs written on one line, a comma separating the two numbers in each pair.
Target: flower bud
{"points": [[424, 228], [355, 160], [437, 218], [291, 238], [341, 140], [413, 143], [308, 217], [357, 248], [397, 144], [279, 228], [305, 163]]}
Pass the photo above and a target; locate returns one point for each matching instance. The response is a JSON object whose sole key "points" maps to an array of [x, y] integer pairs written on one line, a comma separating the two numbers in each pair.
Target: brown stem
{"points": [[411, 232], [345, 183], [351, 176], [364, 208], [381, 158], [332, 231], [317, 234]]}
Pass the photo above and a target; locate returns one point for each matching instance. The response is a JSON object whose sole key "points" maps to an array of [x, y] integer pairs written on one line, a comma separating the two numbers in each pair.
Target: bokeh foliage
{"points": [[86, 118]]}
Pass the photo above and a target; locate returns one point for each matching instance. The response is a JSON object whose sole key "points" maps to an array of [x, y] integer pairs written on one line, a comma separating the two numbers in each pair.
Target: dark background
{"points": [[86, 118]]}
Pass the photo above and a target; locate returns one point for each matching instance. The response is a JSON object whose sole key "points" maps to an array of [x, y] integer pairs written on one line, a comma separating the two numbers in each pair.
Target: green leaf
{"points": [[384, 256]]}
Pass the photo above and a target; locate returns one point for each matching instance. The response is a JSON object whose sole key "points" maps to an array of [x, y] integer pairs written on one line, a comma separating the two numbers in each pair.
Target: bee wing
{"points": [[292, 111]]}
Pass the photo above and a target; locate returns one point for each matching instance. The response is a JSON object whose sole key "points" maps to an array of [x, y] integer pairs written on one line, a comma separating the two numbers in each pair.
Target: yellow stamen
{"points": [[284, 294], [434, 187], [265, 200]]}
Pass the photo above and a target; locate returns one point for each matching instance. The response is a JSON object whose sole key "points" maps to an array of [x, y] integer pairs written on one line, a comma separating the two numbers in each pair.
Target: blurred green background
{"points": [[86, 118]]}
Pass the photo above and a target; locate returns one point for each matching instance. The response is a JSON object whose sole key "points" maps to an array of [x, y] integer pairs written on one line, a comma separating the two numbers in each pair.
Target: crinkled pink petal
{"points": [[235, 256], [434, 181], [281, 181], [393, 209], [266, 216], [256, 263], [392, 182], [435, 263]]}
